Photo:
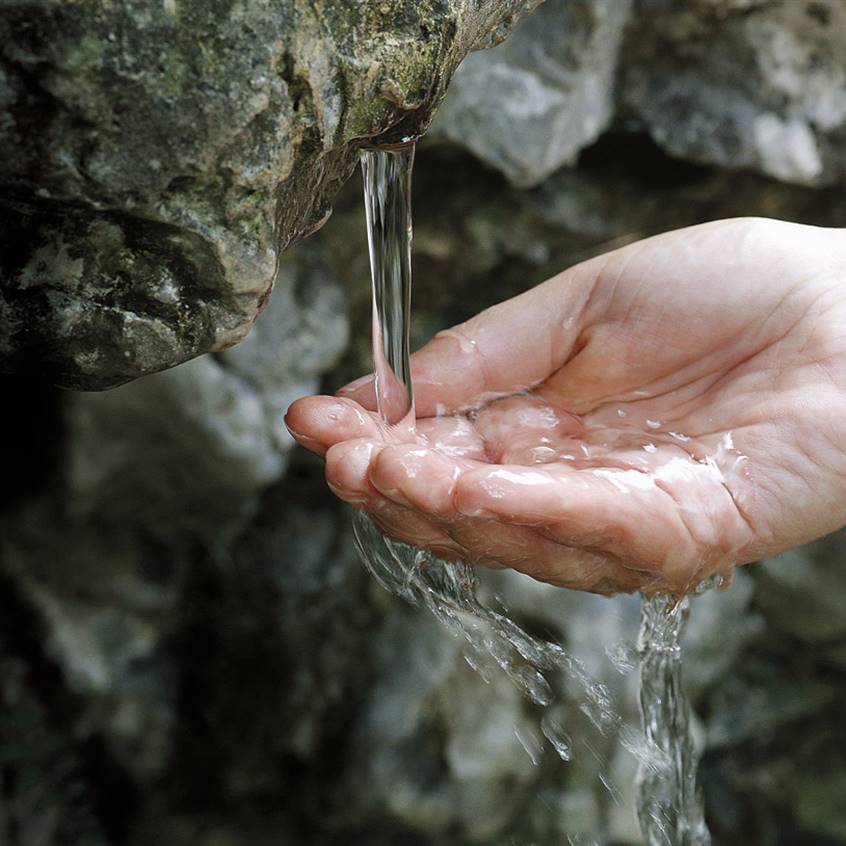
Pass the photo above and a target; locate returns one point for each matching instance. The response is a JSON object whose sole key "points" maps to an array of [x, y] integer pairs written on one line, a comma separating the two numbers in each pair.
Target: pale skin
{"points": [[663, 412]]}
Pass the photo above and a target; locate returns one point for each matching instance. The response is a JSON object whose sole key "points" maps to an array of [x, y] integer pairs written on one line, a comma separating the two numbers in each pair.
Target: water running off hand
{"points": [[669, 805], [448, 589]]}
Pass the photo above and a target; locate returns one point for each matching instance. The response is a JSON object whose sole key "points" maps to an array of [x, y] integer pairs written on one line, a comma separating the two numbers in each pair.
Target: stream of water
{"points": [[669, 806]]}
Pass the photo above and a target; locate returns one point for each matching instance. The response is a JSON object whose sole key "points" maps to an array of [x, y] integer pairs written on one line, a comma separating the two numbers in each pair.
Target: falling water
{"points": [[448, 589], [387, 205], [668, 808]]}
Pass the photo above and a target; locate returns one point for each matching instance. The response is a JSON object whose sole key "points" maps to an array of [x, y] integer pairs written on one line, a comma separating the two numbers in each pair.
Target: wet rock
{"points": [[533, 103], [160, 158]]}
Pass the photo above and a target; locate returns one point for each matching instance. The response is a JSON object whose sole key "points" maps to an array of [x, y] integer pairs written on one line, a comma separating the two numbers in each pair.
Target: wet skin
{"points": [[650, 417]]}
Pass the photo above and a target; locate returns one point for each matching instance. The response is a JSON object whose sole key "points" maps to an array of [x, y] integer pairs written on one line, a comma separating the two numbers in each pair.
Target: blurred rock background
{"points": [[190, 652]]}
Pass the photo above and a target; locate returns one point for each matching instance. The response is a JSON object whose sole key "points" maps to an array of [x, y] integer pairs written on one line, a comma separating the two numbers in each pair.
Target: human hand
{"points": [[643, 420]]}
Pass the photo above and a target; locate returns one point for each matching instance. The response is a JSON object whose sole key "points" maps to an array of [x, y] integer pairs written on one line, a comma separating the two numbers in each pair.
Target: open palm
{"points": [[643, 420]]}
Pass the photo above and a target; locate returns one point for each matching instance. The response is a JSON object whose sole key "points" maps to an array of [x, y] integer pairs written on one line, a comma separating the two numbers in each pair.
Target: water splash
{"points": [[669, 806], [448, 589]]}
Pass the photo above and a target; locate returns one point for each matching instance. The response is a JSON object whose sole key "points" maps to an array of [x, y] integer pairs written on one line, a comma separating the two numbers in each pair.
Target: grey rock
{"points": [[530, 105], [803, 592], [160, 157], [299, 336], [186, 453], [820, 803], [770, 704], [746, 84], [742, 84], [101, 598], [721, 624], [43, 782], [476, 777], [153, 470]]}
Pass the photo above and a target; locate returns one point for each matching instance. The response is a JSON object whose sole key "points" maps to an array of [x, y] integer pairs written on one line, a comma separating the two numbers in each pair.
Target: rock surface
{"points": [[196, 617], [743, 84], [190, 653], [533, 103], [736, 83], [158, 158]]}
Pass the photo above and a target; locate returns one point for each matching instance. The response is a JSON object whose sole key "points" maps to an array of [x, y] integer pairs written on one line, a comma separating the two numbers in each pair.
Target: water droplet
{"points": [[475, 664], [534, 684], [554, 732], [623, 655], [613, 790], [531, 743]]}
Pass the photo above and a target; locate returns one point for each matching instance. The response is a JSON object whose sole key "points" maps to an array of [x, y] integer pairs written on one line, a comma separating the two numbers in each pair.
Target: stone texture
{"points": [[530, 105], [755, 85], [752, 84], [800, 592], [173, 463], [132, 445], [190, 653], [159, 158]]}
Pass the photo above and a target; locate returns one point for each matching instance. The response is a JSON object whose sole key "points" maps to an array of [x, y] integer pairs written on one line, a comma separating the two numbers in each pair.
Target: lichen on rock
{"points": [[216, 133]]}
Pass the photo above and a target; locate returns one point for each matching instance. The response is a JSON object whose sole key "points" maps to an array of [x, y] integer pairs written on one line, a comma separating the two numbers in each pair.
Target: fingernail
{"points": [[300, 437], [290, 428], [356, 384]]}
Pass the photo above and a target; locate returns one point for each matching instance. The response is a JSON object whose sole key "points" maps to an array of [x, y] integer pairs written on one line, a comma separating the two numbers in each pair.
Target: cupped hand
{"points": [[641, 421]]}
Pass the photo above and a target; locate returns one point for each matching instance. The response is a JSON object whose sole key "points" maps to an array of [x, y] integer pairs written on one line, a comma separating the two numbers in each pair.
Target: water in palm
{"points": [[669, 807]]}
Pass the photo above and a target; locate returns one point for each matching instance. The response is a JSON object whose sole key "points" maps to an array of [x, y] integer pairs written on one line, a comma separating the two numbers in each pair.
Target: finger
{"points": [[622, 513], [413, 528], [418, 477], [508, 347], [319, 423], [453, 436], [521, 548], [427, 483], [423, 480], [497, 514], [347, 466]]}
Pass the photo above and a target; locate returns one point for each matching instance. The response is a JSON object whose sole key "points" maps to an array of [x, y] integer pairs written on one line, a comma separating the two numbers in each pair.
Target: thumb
{"points": [[506, 348]]}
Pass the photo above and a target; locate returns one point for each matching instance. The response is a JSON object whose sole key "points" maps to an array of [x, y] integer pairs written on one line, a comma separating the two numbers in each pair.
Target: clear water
{"points": [[669, 809], [387, 204], [669, 805]]}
